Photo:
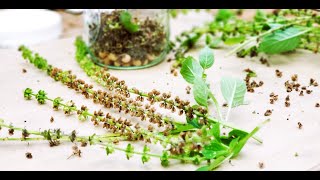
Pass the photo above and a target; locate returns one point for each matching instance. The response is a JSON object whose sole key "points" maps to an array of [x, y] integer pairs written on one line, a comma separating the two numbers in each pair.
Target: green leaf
{"points": [[234, 40], [203, 168], [260, 16], [125, 20], [233, 90], [27, 93], [224, 15], [200, 91], [238, 146], [145, 157], [191, 69], [215, 131], [214, 150], [164, 159], [129, 151], [216, 163], [109, 150], [194, 122], [237, 133], [206, 58], [212, 42], [281, 41]]}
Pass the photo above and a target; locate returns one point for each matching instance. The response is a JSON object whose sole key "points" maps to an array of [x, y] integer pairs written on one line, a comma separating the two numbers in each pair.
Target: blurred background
{"points": [[33, 26]]}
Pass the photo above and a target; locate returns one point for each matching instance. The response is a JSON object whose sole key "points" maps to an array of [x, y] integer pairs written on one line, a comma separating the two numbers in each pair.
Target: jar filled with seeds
{"points": [[127, 38]]}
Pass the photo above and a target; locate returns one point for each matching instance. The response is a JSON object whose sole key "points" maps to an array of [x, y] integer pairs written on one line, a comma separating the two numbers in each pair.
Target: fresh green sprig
{"points": [[206, 58], [280, 30]]}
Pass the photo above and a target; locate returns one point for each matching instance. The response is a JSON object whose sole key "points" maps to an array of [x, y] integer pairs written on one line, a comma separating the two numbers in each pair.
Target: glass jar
{"points": [[127, 38]]}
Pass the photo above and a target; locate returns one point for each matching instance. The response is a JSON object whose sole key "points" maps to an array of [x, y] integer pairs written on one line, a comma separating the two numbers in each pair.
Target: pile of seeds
{"points": [[252, 84], [273, 98], [116, 46]]}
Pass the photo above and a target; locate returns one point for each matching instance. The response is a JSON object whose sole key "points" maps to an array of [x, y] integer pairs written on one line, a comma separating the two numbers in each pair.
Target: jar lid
{"points": [[28, 27]]}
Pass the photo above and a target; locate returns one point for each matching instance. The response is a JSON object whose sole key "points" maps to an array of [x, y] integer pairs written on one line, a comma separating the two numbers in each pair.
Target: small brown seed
{"points": [[294, 77], [268, 112], [137, 63], [24, 70], [150, 57], [317, 104], [117, 64], [112, 57], [125, 58], [288, 98], [28, 155], [278, 73], [287, 104], [102, 55], [309, 91], [106, 61], [261, 165], [145, 62], [51, 119], [300, 125], [301, 93]]}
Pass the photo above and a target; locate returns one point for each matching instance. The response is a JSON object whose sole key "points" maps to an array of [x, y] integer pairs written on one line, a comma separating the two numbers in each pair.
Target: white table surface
{"points": [[282, 138]]}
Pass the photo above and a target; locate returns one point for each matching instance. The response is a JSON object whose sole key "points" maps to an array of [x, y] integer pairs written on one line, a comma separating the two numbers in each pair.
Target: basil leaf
{"points": [[200, 91], [215, 131], [190, 69], [237, 133], [281, 41], [233, 90], [206, 58]]}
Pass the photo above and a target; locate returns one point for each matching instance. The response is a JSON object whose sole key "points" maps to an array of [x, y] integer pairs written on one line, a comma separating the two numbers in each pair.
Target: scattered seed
{"points": [[51, 119], [301, 93], [268, 112], [278, 73], [309, 91], [24, 70], [313, 82], [76, 151], [288, 98], [287, 104], [296, 154], [11, 131], [188, 89], [317, 104], [294, 77], [28, 155], [300, 125], [261, 165], [304, 88], [84, 144]]}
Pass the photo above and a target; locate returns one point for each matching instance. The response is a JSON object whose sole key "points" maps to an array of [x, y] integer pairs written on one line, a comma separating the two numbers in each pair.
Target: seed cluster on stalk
{"points": [[194, 141]]}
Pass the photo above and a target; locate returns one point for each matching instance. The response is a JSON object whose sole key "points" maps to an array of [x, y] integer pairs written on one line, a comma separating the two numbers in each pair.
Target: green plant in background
{"points": [[270, 33]]}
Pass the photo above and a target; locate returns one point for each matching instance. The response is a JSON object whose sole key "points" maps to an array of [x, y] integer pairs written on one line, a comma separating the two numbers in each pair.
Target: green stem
{"points": [[216, 104], [155, 155], [241, 46], [232, 127]]}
